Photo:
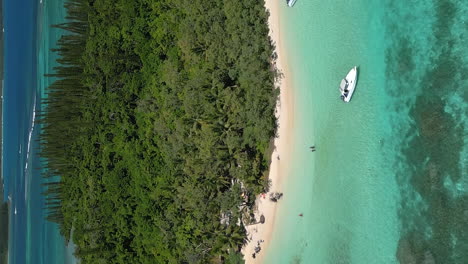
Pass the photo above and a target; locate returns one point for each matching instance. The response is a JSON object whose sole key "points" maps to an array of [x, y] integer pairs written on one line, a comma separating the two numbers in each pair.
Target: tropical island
{"points": [[4, 224], [157, 131]]}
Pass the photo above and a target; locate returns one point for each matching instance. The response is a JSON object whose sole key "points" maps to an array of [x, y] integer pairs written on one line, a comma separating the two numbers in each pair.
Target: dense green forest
{"points": [[4, 223], [156, 132]]}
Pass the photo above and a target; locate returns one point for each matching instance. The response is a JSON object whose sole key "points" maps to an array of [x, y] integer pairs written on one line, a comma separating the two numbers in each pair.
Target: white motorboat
{"points": [[348, 84], [290, 2]]}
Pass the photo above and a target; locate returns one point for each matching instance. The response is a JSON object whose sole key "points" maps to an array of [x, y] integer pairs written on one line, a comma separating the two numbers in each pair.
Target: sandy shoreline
{"points": [[280, 155]]}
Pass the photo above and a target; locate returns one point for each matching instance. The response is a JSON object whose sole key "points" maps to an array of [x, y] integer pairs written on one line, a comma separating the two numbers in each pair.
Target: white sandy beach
{"points": [[278, 167]]}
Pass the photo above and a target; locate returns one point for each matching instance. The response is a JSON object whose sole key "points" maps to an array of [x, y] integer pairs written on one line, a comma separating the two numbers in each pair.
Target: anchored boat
{"points": [[348, 84]]}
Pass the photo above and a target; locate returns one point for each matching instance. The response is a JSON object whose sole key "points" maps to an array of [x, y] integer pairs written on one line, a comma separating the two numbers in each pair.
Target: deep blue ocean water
{"points": [[28, 39], [19, 102]]}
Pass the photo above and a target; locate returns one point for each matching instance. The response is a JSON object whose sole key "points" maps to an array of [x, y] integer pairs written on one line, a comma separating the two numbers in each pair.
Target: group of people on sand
{"points": [[272, 197], [257, 248]]}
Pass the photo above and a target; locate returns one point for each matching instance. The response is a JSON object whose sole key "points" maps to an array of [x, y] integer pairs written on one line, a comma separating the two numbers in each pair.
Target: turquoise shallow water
{"points": [[388, 181]]}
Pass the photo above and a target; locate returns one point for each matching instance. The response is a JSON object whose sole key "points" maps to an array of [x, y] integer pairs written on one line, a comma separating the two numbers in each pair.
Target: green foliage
{"points": [[159, 118], [235, 258], [4, 223]]}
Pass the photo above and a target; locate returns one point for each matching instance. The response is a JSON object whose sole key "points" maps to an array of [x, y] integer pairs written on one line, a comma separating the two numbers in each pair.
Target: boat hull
{"points": [[350, 80], [291, 2]]}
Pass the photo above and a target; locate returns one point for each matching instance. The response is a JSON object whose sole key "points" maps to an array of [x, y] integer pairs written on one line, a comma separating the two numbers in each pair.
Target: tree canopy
{"points": [[158, 126]]}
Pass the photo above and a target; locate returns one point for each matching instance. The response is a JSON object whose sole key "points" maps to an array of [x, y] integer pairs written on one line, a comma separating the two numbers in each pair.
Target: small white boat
{"points": [[348, 84], [290, 2]]}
